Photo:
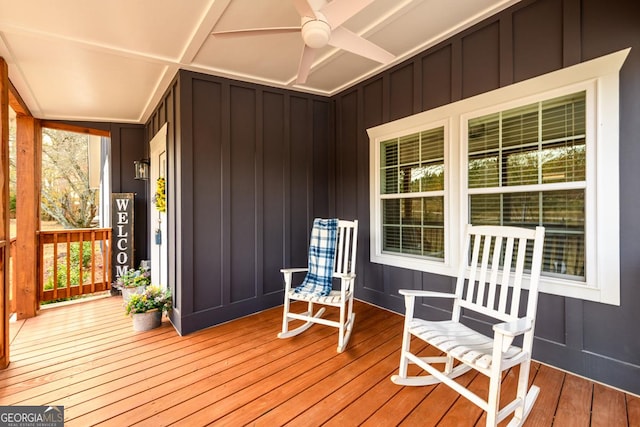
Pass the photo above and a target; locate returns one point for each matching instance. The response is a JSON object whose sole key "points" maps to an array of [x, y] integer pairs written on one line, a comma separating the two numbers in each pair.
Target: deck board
{"points": [[87, 357], [574, 407], [609, 407]]}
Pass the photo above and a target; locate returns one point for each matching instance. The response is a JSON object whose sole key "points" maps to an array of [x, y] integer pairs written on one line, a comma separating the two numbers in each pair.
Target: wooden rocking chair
{"points": [[493, 250], [344, 267]]}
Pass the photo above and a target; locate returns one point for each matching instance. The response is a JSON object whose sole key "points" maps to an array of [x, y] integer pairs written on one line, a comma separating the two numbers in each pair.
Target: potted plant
{"points": [[146, 308], [133, 281]]}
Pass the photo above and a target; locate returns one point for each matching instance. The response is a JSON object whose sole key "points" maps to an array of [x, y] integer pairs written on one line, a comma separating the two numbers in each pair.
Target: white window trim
{"points": [[602, 230]]}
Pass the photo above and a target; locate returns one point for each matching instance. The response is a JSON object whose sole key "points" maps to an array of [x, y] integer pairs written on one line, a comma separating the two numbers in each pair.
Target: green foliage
{"points": [[133, 278], [86, 254], [74, 273], [12, 204], [74, 277], [153, 298]]}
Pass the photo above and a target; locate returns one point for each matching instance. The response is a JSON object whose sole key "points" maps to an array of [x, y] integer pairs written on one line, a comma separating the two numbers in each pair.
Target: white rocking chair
{"points": [[482, 294], [344, 267]]}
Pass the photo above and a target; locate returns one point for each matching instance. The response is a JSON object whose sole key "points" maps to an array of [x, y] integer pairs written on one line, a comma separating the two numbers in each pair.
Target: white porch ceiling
{"points": [[111, 60]]}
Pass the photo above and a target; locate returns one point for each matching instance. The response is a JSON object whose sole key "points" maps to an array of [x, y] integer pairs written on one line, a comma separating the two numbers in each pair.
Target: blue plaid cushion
{"points": [[322, 250]]}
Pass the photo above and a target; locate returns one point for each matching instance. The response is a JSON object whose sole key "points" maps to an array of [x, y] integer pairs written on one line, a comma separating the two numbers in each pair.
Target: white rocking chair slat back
{"points": [[506, 276], [346, 247], [492, 259], [493, 280], [517, 279]]}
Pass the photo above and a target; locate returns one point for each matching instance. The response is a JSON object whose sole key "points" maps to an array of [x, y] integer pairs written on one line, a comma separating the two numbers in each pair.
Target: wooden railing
{"points": [[73, 262], [12, 275]]}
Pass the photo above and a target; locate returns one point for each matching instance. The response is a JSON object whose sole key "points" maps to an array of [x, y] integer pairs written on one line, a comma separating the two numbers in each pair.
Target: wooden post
{"points": [[29, 172], [4, 214]]}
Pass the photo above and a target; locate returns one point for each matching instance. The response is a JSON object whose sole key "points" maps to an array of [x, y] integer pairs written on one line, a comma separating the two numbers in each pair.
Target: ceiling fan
{"points": [[320, 25]]}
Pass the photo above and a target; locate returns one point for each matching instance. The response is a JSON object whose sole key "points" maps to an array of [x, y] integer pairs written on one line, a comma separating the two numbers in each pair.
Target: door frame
{"points": [[158, 220]]}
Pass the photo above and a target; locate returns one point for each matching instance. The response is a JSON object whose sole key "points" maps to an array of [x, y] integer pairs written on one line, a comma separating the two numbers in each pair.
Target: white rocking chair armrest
{"points": [[514, 328], [294, 270], [428, 294]]}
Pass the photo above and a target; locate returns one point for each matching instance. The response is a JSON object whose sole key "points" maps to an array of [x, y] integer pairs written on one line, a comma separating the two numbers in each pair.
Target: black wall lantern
{"points": [[141, 169]]}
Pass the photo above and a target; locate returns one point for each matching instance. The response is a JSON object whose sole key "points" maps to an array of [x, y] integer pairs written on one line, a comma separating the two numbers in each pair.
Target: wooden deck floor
{"points": [[87, 358]]}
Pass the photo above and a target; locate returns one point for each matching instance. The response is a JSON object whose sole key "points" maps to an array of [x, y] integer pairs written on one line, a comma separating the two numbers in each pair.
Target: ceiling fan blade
{"points": [[306, 60], [345, 39], [304, 8], [339, 11], [255, 32]]}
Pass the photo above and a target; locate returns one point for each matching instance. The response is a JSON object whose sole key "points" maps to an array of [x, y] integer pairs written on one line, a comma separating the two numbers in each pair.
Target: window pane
{"points": [[511, 140], [563, 217], [564, 161], [433, 243], [563, 210], [564, 254], [391, 238], [483, 171], [410, 149], [433, 144], [484, 133], [564, 117], [391, 211], [485, 209], [432, 176], [434, 211], [410, 178], [521, 209], [389, 153], [432, 166], [412, 240], [411, 211], [520, 126], [413, 163], [414, 226], [520, 166], [515, 209], [389, 178]]}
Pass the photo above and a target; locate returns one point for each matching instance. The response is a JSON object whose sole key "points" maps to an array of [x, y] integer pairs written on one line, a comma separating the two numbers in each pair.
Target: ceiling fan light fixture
{"points": [[316, 33]]}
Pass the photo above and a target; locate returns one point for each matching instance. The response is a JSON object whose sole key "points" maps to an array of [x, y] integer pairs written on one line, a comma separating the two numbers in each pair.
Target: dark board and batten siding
{"points": [[250, 166], [531, 38], [127, 145], [250, 171]]}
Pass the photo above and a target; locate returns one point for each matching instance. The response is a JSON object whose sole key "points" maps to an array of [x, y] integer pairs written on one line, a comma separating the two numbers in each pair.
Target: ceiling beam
{"points": [[16, 102], [73, 128]]}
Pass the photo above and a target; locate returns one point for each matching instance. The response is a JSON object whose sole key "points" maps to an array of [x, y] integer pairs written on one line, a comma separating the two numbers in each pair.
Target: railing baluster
{"points": [[55, 266], [68, 259], [12, 274], [80, 260], [93, 261], [106, 263]]}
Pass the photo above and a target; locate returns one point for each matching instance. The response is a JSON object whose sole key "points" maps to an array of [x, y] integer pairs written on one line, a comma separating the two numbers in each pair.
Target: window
{"points": [[539, 152], [527, 167], [411, 193], [409, 196]]}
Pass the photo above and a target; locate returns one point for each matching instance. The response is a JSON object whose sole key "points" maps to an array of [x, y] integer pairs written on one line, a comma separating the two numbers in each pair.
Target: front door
{"points": [[158, 207]]}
